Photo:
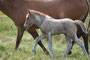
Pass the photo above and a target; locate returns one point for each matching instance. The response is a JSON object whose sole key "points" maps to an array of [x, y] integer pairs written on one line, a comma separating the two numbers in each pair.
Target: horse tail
{"points": [[81, 25]]}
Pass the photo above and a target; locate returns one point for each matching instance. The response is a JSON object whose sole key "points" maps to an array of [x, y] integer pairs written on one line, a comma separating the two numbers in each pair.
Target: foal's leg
{"points": [[50, 44], [19, 36], [69, 44], [80, 43], [85, 37], [35, 34], [36, 41], [70, 52], [73, 42]]}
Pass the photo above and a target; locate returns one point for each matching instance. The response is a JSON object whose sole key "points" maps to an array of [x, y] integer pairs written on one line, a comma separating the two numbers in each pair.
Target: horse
{"points": [[50, 26], [17, 10]]}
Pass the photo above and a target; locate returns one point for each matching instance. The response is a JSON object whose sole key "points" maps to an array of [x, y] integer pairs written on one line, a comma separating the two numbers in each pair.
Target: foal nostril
{"points": [[25, 26]]}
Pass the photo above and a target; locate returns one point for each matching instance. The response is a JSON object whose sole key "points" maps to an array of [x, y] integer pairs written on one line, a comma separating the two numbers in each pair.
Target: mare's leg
{"points": [[36, 41], [69, 44], [80, 43], [19, 36], [35, 34], [50, 44], [85, 37]]}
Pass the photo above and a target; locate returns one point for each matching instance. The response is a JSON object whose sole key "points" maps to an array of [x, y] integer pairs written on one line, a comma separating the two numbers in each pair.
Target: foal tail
{"points": [[81, 25]]}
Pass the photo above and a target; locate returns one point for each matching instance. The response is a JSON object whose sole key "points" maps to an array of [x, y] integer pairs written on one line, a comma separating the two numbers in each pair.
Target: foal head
{"points": [[33, 17], [29, 20]]}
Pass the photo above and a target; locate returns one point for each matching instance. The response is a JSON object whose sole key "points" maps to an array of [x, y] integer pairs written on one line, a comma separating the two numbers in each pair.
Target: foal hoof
{"points": [[63, 57], [33, 52], [52, 56], [70, 52]]}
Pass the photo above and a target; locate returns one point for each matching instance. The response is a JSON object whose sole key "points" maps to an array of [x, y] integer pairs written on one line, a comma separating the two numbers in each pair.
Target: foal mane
{"points": [[39, 13]]}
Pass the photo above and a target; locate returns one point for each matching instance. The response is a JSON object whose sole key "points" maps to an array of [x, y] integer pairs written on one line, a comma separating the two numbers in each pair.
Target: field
{"points": [[8, 40]]}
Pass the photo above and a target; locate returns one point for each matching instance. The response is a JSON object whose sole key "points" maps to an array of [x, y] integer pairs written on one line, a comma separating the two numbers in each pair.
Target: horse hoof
{"points": [[52, 56], [33, 53], [70, 52], [63, 57]]}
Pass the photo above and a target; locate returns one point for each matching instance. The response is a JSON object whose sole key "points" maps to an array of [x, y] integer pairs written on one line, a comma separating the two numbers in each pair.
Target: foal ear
{"points": [[28, 11]]}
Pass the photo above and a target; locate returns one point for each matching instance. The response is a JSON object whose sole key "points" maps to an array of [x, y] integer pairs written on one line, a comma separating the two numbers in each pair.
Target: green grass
{"points": [[24, 52]]}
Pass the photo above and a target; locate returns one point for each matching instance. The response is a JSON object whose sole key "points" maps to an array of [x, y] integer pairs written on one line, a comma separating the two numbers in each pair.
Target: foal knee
{"points": [[69, 46], [80, 43]]}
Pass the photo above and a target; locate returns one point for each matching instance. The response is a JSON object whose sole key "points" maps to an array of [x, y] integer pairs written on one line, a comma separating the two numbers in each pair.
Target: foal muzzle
{"points": [[25, 26]]}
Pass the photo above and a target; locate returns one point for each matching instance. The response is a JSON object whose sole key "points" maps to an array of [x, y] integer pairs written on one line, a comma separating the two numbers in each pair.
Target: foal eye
{"points": [[27, 18]]}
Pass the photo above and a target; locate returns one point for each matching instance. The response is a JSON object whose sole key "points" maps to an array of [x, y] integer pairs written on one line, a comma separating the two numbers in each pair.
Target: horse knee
{"points": [[69, 46], [80, 43]]}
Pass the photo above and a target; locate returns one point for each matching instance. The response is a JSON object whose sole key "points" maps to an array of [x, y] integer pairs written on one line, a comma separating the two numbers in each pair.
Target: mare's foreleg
{"points": [[69, 44], [35, 34], [19, 36]]}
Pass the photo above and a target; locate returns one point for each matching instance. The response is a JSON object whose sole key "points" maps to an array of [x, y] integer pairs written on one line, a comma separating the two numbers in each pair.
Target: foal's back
{"points": [[58, 26]]}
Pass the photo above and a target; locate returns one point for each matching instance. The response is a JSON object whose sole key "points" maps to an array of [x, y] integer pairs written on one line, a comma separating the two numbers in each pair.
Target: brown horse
{"points": [[17, 9]]}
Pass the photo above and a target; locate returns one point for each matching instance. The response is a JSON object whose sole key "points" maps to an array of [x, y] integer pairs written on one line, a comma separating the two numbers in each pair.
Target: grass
{"points": [[24, 52]]}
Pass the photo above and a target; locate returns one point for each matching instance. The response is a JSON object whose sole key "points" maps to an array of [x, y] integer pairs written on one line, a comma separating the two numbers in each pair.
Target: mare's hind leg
{"points": [[85, 37], [69, 44], [80, 43], [35, 34], [19, 36]]}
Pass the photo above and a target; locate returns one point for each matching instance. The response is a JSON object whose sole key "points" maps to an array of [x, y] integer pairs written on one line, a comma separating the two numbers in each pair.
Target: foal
{"points": [[50, 26]]}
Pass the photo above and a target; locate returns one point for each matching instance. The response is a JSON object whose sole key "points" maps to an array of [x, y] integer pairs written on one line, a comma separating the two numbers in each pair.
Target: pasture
{"points": [[24, 52]]}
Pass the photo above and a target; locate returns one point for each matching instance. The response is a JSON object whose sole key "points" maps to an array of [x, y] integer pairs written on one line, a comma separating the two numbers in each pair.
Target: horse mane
{"points": [[39, 13]]}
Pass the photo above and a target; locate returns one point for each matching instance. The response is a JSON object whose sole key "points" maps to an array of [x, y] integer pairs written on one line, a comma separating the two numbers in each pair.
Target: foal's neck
{"points": [[39, 20]]}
